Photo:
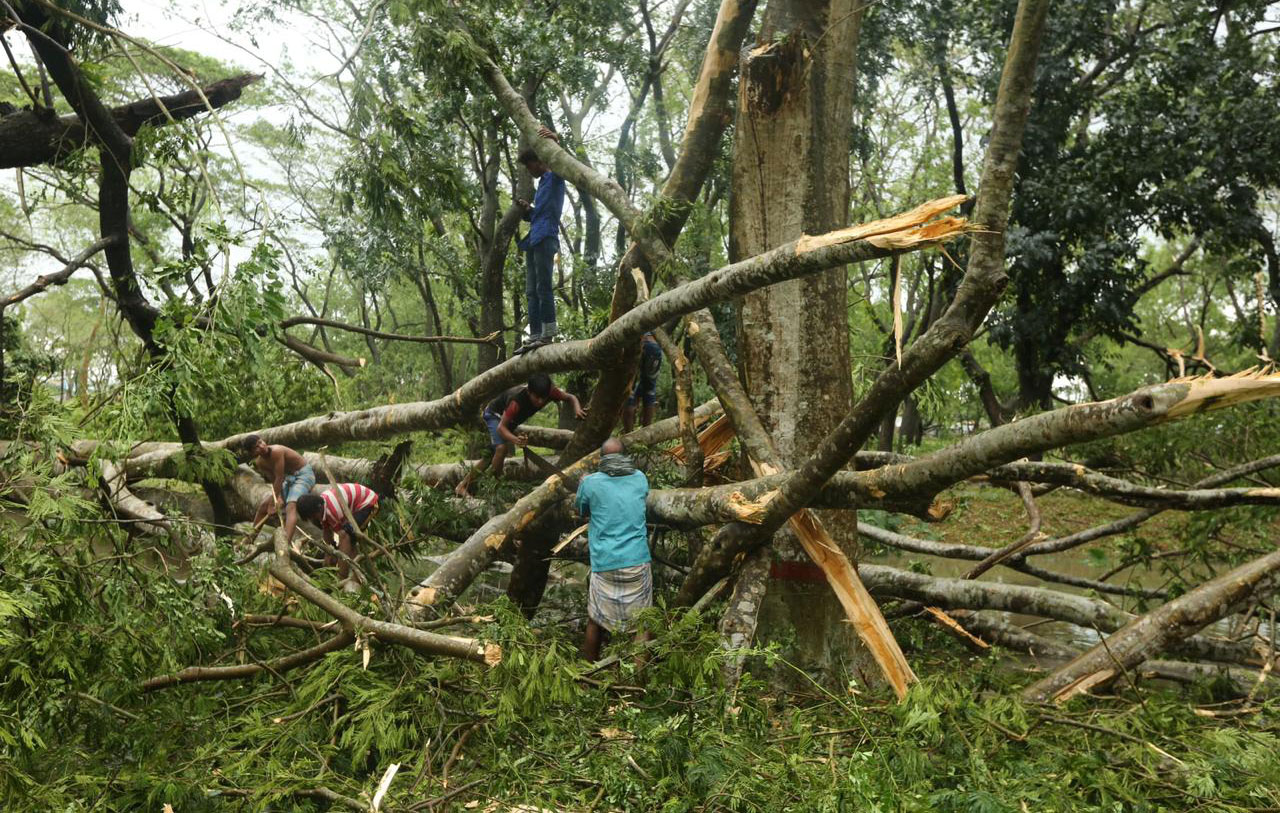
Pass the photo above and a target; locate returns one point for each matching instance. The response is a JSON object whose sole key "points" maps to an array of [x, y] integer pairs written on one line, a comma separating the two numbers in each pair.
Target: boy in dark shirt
{"points": [[509, 410], [646, 387]]}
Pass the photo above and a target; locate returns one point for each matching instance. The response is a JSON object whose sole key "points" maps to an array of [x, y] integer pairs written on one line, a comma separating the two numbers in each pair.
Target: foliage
{"points": [[533, 731]]}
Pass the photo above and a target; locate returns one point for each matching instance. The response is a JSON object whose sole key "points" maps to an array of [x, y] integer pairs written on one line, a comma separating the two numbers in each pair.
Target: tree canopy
{"points": [[968, 317]]}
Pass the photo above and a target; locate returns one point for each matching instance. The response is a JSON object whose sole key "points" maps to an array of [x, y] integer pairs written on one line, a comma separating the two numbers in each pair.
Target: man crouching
{"points": [[613, 500]]}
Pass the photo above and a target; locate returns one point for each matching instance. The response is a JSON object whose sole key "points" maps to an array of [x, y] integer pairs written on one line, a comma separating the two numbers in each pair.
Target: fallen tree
{"points": [[1170, 623]]}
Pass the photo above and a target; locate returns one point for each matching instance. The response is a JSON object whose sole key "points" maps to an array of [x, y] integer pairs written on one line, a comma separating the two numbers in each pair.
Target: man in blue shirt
{"points": [[541, 245], [613, 500]]}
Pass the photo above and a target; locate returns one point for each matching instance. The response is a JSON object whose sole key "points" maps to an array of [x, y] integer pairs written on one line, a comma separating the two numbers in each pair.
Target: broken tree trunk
{"points": [[911, 231], [473, 557], [1158, 629], [977, 293], [858, 605]]}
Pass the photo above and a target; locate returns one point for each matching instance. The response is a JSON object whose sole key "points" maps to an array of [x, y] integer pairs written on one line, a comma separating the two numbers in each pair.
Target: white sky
{"points": [[204, 26]]}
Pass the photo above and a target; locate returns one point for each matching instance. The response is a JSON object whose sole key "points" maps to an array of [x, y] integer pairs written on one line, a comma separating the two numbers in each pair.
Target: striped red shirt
{"points": [[356, 497]]}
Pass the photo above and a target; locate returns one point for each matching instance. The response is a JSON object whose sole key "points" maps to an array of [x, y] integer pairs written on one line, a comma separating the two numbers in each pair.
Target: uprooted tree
{"points": [[801, 471]]}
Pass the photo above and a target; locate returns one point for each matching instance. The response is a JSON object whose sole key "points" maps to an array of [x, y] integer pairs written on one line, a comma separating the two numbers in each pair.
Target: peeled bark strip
{"points": [[1167, 624], [859, 606]]}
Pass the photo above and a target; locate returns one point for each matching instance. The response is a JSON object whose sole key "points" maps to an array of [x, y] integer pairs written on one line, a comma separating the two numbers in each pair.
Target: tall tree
{"points": [[791, 177]]}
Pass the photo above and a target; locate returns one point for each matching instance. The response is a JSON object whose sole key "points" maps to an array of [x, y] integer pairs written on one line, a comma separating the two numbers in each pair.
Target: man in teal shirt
{"points": [[613, 500]]}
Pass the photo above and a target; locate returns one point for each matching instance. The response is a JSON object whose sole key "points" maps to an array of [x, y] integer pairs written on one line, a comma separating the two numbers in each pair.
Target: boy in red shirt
{"points": [[326, 510]]}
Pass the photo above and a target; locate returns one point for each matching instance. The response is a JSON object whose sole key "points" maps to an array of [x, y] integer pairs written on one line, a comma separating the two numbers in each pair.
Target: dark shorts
{"points": [[491, 420], [361, 517], [646, 388]]}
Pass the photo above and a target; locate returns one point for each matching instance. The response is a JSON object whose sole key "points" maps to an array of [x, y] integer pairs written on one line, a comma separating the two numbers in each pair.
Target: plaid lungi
{"points": [[615, 596]]}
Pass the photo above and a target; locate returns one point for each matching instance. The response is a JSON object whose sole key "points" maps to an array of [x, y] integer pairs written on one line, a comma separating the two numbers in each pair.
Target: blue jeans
{"points": [[540, 296]]}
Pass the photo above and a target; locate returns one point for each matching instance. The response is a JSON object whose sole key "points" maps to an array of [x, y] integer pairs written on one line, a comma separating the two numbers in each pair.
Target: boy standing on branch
{"points": [[509, 410], [540, 246]]}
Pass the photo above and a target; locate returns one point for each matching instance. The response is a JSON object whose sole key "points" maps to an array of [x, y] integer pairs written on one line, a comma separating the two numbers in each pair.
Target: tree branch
{"points": [[43, 281], [194, 674], [491, 339]]}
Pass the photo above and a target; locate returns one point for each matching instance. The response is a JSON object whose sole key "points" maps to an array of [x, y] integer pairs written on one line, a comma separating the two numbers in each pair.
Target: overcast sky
{"points": [[205, 26]]}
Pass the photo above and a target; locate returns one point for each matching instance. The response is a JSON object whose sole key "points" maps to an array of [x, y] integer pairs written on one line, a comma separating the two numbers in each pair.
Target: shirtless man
{"points": [[290, 477]]}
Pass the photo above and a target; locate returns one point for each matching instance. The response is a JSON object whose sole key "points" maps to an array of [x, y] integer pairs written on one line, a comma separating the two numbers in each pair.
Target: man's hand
{"points": [[523, 204], [580, 413], [522, 441], [547, 132]]}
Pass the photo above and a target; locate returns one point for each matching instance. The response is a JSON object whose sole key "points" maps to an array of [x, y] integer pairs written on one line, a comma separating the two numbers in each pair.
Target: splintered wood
{"points": [[861, 609], [712, 440], [903, 231], [1214, 392]]}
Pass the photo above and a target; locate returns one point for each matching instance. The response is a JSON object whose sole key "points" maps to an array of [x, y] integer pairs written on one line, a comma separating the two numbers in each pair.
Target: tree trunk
{"points": [[532, 566], [794, 115], [912, 432]]}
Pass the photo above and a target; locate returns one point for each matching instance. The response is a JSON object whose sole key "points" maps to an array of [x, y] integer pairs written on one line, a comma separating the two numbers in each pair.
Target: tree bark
{"points": [[30, 138]]}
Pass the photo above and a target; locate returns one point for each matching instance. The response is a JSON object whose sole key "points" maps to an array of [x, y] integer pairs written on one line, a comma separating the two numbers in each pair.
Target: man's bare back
{"points": [[278, 459]]}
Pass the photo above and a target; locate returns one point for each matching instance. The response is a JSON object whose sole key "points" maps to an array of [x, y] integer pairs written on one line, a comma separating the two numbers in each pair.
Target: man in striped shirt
{"points": [[327, 511]]}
